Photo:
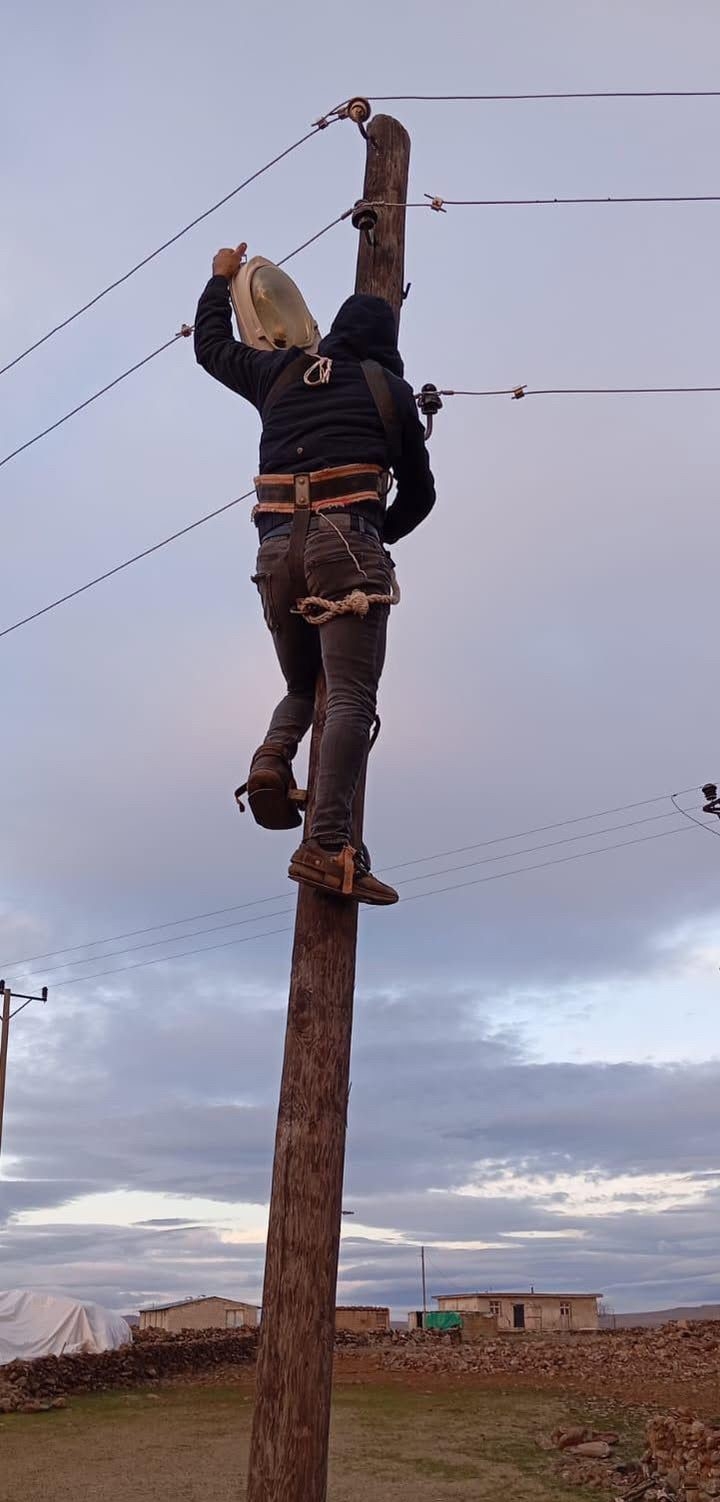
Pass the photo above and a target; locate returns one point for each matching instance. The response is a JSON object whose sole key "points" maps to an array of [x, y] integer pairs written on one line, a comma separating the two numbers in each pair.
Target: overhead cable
{"points": [[588, 834], [181, 334], [502, 839], [584, 94], [127, 562], [184, 332], [487, 860], [417, 897], [440, 205], [316, 129], [519, 392]]}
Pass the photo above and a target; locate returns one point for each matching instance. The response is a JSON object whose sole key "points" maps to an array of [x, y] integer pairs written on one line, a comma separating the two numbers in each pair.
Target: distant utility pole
{"points": [[8, 997], [422, 1264], [289, 1446]]}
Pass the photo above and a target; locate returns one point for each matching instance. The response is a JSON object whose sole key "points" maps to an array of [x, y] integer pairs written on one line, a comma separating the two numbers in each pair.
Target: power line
{"points": [[418, 860], [132, 933], [434, 892], [434, 203], [197, 933], [710, 828], [99, 578], [313, 238], [166, 960], [519, 392], [519, 834], [407, 881], [511, 98], [183, 333], [558, 860], [438, 204], [321, 125]]}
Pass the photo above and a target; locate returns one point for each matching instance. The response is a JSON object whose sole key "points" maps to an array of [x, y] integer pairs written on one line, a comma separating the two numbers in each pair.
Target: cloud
{"points": [[551, 656], [503, 1167]]}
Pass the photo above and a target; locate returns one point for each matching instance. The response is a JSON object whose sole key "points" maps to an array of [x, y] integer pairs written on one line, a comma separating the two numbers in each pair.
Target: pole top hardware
{"points": [[358, 109], [713, 802], [365, 218], [430, 403]]}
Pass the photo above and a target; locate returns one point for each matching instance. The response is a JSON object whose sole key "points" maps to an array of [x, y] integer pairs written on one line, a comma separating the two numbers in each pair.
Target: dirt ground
{"points": [[391, 1442]]}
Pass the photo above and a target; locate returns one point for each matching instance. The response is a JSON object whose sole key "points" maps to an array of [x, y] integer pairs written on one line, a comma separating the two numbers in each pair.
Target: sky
{"points": [[535, 1064]]}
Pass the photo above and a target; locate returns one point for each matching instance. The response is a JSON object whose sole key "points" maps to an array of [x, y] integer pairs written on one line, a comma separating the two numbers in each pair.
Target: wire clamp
{"points": [[519, 392], [184, 331], [438, 204]]}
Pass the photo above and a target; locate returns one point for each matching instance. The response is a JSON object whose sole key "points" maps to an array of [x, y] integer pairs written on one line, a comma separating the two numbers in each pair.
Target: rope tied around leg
{"points": [[318, 611]]}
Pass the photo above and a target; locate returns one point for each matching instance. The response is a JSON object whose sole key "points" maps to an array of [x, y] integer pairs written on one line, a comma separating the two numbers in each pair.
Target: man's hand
{"points": [[228, 262]]}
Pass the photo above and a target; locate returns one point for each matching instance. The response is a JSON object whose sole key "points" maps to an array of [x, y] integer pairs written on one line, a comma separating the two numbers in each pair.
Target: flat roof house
{"points": [[207, 1313], [357, 1318], [528, 1311]]}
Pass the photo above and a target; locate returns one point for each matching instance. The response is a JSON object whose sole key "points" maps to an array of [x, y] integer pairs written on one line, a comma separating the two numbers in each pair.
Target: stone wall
{"points": [[24, 1384], [684, 1456]]}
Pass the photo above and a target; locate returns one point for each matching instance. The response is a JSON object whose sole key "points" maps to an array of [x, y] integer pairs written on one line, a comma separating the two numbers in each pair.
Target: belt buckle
{"points": [[302, 492]]}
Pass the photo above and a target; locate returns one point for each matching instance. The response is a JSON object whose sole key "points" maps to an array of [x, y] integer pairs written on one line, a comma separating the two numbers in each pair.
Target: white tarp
{"points": [[48, 1324]]}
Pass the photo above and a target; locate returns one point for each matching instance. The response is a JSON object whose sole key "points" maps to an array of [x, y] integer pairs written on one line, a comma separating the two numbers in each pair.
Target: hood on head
{"points": [[365, 328]]}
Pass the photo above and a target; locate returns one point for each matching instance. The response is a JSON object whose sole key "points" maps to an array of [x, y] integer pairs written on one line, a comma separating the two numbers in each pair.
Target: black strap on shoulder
{"points": [[289, 373], [384, 401], [378, 385]]}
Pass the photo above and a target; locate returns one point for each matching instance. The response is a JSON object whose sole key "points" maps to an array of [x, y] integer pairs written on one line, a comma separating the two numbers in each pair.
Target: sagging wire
{"points": [[184, 332], [145, 261], [517, 834], [119, 567]]}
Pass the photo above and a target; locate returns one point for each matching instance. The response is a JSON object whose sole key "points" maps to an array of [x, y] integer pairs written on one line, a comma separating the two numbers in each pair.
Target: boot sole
{"points": [[269, 804], [309, 877]]}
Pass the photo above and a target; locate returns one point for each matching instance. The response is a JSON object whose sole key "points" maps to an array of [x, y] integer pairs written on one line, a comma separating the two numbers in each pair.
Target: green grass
{"points": [[389, 1443]]}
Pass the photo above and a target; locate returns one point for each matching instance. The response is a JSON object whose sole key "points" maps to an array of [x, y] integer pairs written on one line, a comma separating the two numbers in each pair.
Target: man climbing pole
{"points": [[334, 424]]}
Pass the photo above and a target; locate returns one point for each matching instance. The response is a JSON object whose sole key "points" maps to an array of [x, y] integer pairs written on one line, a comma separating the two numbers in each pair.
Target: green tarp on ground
{"points": [[442, 1321]]}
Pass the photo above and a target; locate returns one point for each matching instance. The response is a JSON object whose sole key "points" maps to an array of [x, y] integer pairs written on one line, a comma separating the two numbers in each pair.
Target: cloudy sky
{"points": [[535, 1068]]}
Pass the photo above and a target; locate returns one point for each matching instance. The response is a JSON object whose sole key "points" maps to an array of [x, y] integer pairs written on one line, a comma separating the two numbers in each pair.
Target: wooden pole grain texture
{"points": [[289, 1445], [4, 1042]]}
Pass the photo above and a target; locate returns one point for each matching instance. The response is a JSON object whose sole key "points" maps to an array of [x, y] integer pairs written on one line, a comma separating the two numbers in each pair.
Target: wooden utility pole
{"points": [[424, 1286], [7, 997], [289, 1446], [4, 1041]]}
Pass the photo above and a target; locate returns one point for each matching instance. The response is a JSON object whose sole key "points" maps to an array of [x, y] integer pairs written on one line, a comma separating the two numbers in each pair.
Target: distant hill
{"points": [[659, 1316]]}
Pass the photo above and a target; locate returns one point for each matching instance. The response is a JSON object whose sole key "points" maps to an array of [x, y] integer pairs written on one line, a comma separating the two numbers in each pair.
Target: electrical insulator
{"points": [[430, 403], [358, 110], [365, 218]]}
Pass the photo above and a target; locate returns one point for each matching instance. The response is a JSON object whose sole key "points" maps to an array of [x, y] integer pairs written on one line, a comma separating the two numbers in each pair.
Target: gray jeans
{"points": [[350, 649]]}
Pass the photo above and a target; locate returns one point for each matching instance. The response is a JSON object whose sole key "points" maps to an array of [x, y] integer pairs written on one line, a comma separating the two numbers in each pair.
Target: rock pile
{"points": [[635, 1363], [683, 1458], [33, 1386], [588, 1459]]}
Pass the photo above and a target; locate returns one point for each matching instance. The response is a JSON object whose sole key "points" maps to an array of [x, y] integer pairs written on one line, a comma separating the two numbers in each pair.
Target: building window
{"points": [[234, 1318], [565, 1310], [494, 1306]]}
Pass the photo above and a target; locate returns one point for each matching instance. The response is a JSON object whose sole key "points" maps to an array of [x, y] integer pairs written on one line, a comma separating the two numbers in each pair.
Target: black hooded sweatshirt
{"points": [[320, 427]]}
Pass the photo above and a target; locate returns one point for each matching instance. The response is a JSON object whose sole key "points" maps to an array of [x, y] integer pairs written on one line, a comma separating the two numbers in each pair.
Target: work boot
{"points": [[272, 791], [341, 873]]}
